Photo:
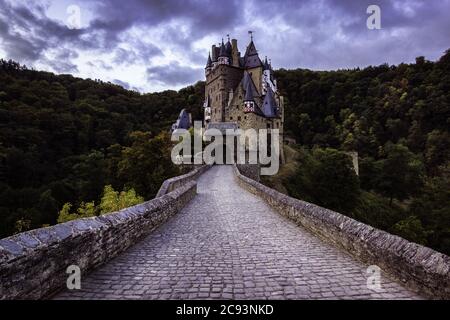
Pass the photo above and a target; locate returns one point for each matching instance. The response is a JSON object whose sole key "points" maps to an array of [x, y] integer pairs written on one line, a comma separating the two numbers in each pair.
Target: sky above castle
{"points": [[156, 45]]}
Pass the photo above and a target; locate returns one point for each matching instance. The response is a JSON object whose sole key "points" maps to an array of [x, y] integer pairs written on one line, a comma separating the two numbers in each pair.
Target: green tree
{"points": [[401, 173], [411, 228], [147, 163], [326, 177], [114, 201]]}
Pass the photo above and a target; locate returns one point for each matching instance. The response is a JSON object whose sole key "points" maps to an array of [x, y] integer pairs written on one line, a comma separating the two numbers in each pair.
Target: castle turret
{"points": [[223, 55], [208, 65], [214, 57], [266, 64], [228, 48]]}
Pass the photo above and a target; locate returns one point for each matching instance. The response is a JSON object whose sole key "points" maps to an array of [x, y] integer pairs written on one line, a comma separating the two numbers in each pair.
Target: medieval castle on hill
{"points": [[241, 91]]}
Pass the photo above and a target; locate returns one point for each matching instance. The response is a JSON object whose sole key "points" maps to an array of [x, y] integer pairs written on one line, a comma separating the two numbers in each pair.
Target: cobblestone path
{"points": [[229, 244]]}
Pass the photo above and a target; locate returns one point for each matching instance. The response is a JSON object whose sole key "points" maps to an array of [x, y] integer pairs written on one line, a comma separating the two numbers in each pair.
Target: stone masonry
{"points": [[229, 244]]}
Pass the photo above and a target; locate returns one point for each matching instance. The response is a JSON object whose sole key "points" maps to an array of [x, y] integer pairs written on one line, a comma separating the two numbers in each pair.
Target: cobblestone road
{"points": [[229, 244]]}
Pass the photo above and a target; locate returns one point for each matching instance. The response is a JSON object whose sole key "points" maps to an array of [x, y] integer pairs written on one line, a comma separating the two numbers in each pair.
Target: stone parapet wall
{"points": [[176, 182], [33, 264], [419, 268]]}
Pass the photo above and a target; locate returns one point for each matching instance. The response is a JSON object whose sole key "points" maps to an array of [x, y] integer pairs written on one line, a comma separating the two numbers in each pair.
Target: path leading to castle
{"points": [[229, 244]]}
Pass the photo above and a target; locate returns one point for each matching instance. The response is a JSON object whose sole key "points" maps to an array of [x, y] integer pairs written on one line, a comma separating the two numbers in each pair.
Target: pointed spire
{"points": [[269, 107], [266, 64], [228, 47], [223, 51], [248, 87], [209, 62]]}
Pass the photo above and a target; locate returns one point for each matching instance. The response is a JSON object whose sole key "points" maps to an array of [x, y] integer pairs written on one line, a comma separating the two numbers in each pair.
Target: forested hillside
{"points": [[63, 139], [397, 118], [67, 140]]}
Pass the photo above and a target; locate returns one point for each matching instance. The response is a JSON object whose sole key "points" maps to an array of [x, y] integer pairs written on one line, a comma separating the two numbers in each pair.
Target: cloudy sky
{"points": [[153, 45]]}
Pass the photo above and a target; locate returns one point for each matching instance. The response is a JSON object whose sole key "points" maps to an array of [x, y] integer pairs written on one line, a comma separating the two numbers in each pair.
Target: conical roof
{"points": [[228, 48], [223, 50], [269, 107], [251, 58], [209, 62], [248, 92]]}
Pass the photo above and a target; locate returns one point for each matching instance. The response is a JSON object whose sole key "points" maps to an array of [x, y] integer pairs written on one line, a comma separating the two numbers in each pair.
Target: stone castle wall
{"points": [[417, 267]]}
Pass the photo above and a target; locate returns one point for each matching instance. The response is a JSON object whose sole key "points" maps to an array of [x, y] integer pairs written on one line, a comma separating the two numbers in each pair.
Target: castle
{"points": [[241, 92]]}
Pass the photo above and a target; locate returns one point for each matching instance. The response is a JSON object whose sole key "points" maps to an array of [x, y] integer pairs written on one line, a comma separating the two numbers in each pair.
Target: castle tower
{"points": [[241, 92]]}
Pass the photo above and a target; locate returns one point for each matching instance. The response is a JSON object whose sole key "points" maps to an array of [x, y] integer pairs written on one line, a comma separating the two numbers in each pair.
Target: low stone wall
{"points": [[33, 264], [419, 268], [176, 182]]}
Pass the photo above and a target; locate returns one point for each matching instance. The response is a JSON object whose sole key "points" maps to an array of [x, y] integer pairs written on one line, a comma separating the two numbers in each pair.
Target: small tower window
{"points": [[239, 118]]}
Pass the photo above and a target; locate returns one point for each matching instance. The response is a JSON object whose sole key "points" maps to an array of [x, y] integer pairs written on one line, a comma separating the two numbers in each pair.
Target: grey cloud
{"points": [[174, 74], [99, 64], [141, 53], [318, 34]]}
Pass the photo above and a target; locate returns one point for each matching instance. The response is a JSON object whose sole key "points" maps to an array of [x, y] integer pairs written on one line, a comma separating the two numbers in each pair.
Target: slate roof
{"points": [[249, 86], [251, 58], [182, 121], [209, 62], [269, 107], [223, 51]]}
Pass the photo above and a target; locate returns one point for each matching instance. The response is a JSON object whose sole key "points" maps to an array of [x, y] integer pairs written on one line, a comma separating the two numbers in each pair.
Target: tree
{"points": [[326, 177], [411, 228], [114, 201], [147, 163], [401, 173]]}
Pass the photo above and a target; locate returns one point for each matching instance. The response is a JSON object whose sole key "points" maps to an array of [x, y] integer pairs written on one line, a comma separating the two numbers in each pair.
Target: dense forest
{"points": [[397, 118], [65, 140], [69, 143]]}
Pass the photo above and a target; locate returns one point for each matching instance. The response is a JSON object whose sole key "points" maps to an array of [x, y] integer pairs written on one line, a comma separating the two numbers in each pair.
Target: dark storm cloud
{"points": [[317, 34], [26, 33], [174, 74], [141, 53], [203, 16]]}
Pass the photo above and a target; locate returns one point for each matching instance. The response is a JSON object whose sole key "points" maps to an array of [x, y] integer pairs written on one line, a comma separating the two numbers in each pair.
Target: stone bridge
{"points": [[227, 243]]}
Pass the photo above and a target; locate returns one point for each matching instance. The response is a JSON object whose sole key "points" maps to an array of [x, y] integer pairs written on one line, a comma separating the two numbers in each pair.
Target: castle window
{"points": [[239, 118], [245, 117], [231, 118]]}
